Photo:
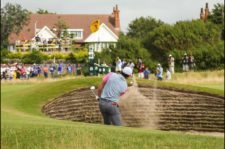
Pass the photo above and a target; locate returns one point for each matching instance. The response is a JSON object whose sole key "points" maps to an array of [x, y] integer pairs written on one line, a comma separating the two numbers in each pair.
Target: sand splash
{"points": [[137, 110]]}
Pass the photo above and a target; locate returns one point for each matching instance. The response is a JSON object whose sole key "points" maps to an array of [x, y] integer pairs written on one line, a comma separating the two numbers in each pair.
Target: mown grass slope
{"points": [[23, 125]]}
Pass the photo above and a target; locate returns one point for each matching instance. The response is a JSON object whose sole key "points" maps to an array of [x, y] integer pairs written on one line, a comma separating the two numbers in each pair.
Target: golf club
{"points": [[92, 90]]}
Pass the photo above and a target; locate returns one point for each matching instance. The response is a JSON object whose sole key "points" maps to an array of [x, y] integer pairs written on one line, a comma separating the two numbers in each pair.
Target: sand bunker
{"points": [[148, 107]]}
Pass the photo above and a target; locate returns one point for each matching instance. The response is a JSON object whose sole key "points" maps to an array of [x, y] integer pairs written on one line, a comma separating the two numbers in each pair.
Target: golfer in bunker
{"points": [[111, 88]]}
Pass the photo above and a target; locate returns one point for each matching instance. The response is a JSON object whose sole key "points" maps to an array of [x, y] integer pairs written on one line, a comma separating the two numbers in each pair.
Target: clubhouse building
{"points": [[43, 32]]}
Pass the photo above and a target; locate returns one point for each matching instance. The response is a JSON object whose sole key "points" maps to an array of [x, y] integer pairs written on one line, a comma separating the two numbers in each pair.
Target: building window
{"points": [[75, 33]]}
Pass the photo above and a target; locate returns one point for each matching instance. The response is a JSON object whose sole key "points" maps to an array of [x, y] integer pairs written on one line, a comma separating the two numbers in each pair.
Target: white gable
{"points": [[45, 34], [104, 34]]}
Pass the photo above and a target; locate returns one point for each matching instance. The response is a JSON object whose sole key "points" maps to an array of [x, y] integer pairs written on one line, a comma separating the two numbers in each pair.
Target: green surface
{"points": [[213, 86]]}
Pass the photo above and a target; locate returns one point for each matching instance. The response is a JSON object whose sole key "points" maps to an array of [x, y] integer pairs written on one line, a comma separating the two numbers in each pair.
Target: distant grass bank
{"points": [[184, 87], [207, 82], [24, 126]]}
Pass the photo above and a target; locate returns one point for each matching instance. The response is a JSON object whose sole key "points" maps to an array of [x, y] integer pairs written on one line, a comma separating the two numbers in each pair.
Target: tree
{"points": [[217, 17], [139, 27], [13, 18], [129, 49], [217, 14], [42, 11], [184, 35], [61, 27]]}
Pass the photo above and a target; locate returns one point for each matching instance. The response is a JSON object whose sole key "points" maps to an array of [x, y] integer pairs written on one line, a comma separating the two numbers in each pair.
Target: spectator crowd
{"points": [[27, 71], [188, 64], [54, 70]]}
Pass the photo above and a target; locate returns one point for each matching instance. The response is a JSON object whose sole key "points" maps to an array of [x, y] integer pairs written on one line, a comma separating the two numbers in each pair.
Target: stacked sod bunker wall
{"points": [[172, 110]]}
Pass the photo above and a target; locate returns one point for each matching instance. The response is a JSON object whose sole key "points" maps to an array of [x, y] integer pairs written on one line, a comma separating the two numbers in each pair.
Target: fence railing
{"points": [[42, 47]]}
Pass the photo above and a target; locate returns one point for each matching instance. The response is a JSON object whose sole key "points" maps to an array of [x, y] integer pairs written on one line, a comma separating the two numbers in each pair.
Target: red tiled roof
{"points": [[73, 21]]}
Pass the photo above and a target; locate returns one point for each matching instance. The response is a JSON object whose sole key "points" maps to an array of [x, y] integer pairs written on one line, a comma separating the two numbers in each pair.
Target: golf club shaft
{"points": [[93, 92]]}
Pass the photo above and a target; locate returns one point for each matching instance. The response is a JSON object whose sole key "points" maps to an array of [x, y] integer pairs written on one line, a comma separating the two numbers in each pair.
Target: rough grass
{"points": [[24, 126], [210, 79], [209, 82]]}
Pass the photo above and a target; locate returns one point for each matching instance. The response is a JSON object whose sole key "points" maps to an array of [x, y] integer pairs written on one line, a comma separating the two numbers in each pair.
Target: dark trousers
{"points": [[46, 74], [110, 112]]}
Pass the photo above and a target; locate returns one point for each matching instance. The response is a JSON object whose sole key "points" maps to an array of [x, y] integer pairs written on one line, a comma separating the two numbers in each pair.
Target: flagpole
{"points": [[94, 27]]}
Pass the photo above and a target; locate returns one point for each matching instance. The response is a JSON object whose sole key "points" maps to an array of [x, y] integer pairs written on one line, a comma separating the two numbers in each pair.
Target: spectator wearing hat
{"points": [[171, 63], [112, 87], [118, 64]]}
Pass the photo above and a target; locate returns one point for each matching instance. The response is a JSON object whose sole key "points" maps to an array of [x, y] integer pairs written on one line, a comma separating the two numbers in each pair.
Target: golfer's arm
{"points": [[100, 88]]}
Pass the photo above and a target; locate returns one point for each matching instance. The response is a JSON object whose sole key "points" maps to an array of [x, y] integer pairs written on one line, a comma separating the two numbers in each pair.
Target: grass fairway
{"points": [[24, 126]]}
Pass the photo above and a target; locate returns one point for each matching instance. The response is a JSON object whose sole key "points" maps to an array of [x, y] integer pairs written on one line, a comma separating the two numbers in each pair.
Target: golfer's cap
{"points": [[185, 53], [170, 55], [158, 64], [127, 71]]}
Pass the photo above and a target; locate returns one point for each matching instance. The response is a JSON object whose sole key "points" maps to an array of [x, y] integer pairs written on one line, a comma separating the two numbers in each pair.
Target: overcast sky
{"points": [[168, 11]]}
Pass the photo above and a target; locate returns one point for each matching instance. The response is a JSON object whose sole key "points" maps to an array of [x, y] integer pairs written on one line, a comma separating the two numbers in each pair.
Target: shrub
{"points": [[71, 58], [81, 55], [206, 56], [34, 57], [85, 70], [4, 54], [210, 56], [57, 55], [17, 55]]}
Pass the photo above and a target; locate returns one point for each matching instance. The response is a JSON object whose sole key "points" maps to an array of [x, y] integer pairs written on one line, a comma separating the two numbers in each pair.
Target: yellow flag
{"points": [[94, 25]]}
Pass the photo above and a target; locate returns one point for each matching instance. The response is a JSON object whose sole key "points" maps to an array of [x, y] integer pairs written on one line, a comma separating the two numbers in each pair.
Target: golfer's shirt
{"points": [[115, 86]]}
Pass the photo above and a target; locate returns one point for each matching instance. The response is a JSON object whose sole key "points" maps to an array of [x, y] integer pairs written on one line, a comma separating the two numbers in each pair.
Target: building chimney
{"points": [[202, 15], [116, 15], [206, 11]]}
